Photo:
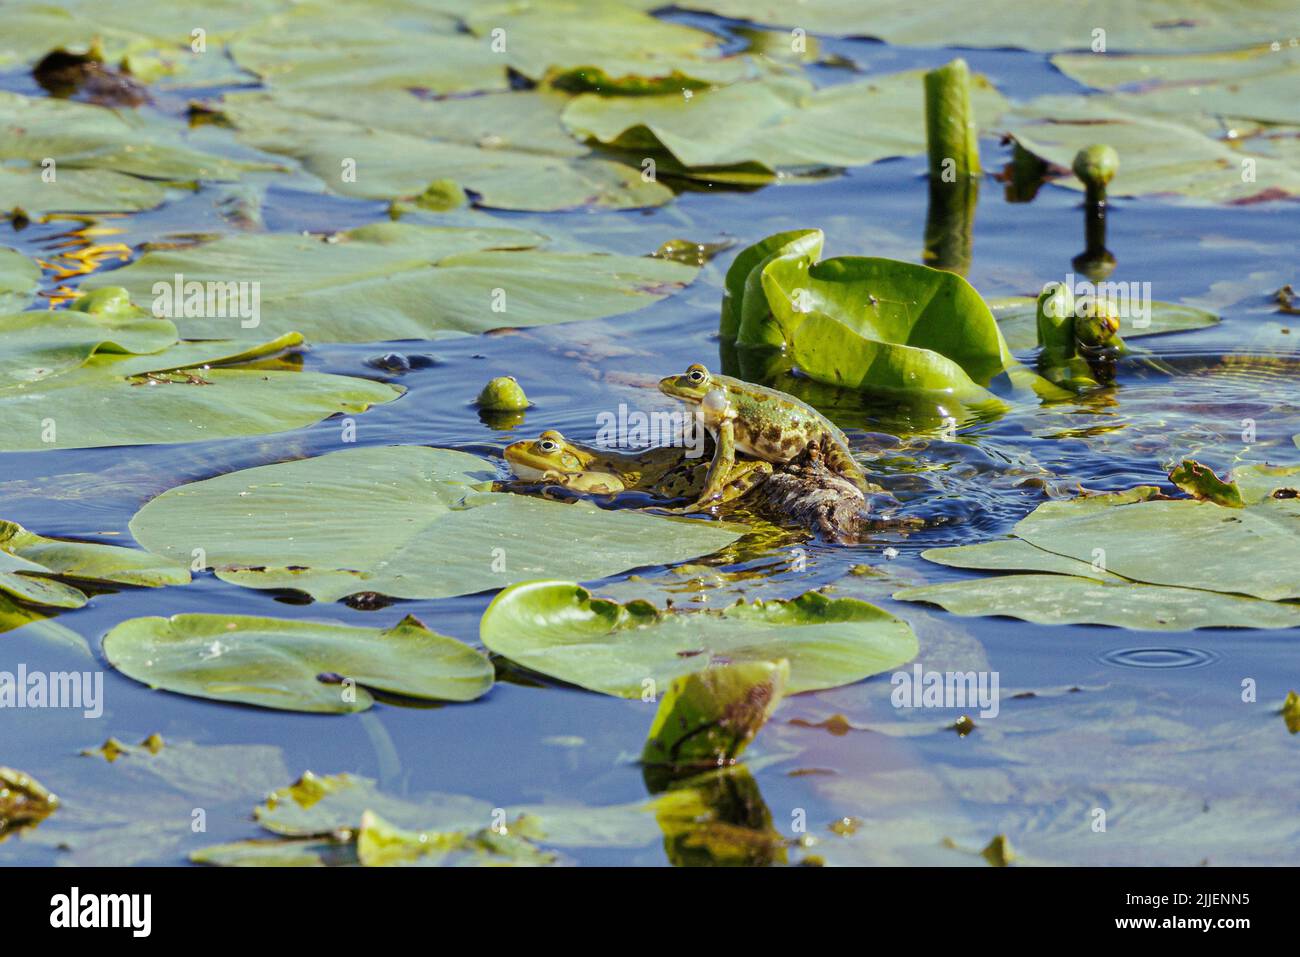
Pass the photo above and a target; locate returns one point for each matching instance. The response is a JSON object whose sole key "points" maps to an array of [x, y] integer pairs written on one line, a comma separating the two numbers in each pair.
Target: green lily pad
{"points": [[295, 665], [1068, 600], [1200, 482], [398, 281], [1013, 554], [596, 44], [20, 278], [509, 149], [1180, 542], [1157, 155], [26, 558], [321, 47], [261, 528], [1026, 24], [1254, 83], [380, 844], [773, 123], [116, 399], [558, 629], [24, 194], [1016, 319]]}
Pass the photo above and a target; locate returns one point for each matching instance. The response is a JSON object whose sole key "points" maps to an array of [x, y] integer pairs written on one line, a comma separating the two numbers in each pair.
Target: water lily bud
{"points": [[1096, 166], [503, 394], [1096, 324]]}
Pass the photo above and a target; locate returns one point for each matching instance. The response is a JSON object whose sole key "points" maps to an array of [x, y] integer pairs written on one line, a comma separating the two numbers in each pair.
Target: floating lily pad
{"points": [[20, 278], [1026, 24], [1157, 155], [380, 844], [1013, 554], [173, 395], [1253, 83], [26, 558], [508, 149], [398, 281], [295, 665], [558, 629], [773, 123], [1067, 600], [595, 44], [1016, 318], [263, 528]]}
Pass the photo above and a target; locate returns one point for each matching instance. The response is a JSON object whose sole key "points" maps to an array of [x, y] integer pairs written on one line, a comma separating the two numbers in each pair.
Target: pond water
{"points": [[1150, 726]]}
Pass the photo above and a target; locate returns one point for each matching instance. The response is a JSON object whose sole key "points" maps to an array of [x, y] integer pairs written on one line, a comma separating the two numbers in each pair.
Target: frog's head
{"points": [[531, 459], [1096, 323], [690, 386]]}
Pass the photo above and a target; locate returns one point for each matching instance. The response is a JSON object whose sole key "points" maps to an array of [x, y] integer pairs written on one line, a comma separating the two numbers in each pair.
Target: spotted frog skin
{"points": [[760, 422], [665, 472]]}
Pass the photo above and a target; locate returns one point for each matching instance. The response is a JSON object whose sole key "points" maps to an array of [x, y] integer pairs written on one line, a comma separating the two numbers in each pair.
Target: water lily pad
{"points": [[558, 629], [295, 665], [774, 123], [154, 399], [1157, 155], [1249, 551], [1068, 600], [20, 278], [380, 844], [1016, 319], [608, 46], [1027, 24], [263, 528], [1253, 83], [317, 46], [1014, 554], [26, 559], [398, 281], [508, 149]]}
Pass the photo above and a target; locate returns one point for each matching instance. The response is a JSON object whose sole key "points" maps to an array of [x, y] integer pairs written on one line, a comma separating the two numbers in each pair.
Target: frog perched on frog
{"points": [[666, 472], [764, 423]]}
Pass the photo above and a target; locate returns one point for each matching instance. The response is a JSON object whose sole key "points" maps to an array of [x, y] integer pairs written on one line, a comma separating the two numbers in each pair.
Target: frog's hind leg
{"points": [[724, 461], [744, 477], [841, 462]]}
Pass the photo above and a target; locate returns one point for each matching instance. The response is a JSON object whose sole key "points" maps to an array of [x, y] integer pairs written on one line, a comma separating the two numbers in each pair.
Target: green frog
{"points": [[763, 423], [665, 472]]}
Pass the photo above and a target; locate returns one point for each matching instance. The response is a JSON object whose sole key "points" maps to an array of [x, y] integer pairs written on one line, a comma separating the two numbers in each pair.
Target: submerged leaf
{"points": [[558, 629], [23, 802], [295, 665]]}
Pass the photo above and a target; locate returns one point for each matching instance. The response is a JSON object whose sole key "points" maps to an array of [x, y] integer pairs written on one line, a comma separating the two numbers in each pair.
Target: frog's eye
{"points": [[695, 375], [547, 446]]}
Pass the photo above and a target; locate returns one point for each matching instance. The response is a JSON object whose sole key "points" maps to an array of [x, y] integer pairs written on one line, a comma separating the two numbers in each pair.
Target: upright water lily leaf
{"points": [[295, 665], [20, 278], [398, 281], [508, 149], [1016, 316], [558, 629], [776, 123], [707, 718], [1027, 24], [263, 528], [1157, 155], [26, 559]]}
